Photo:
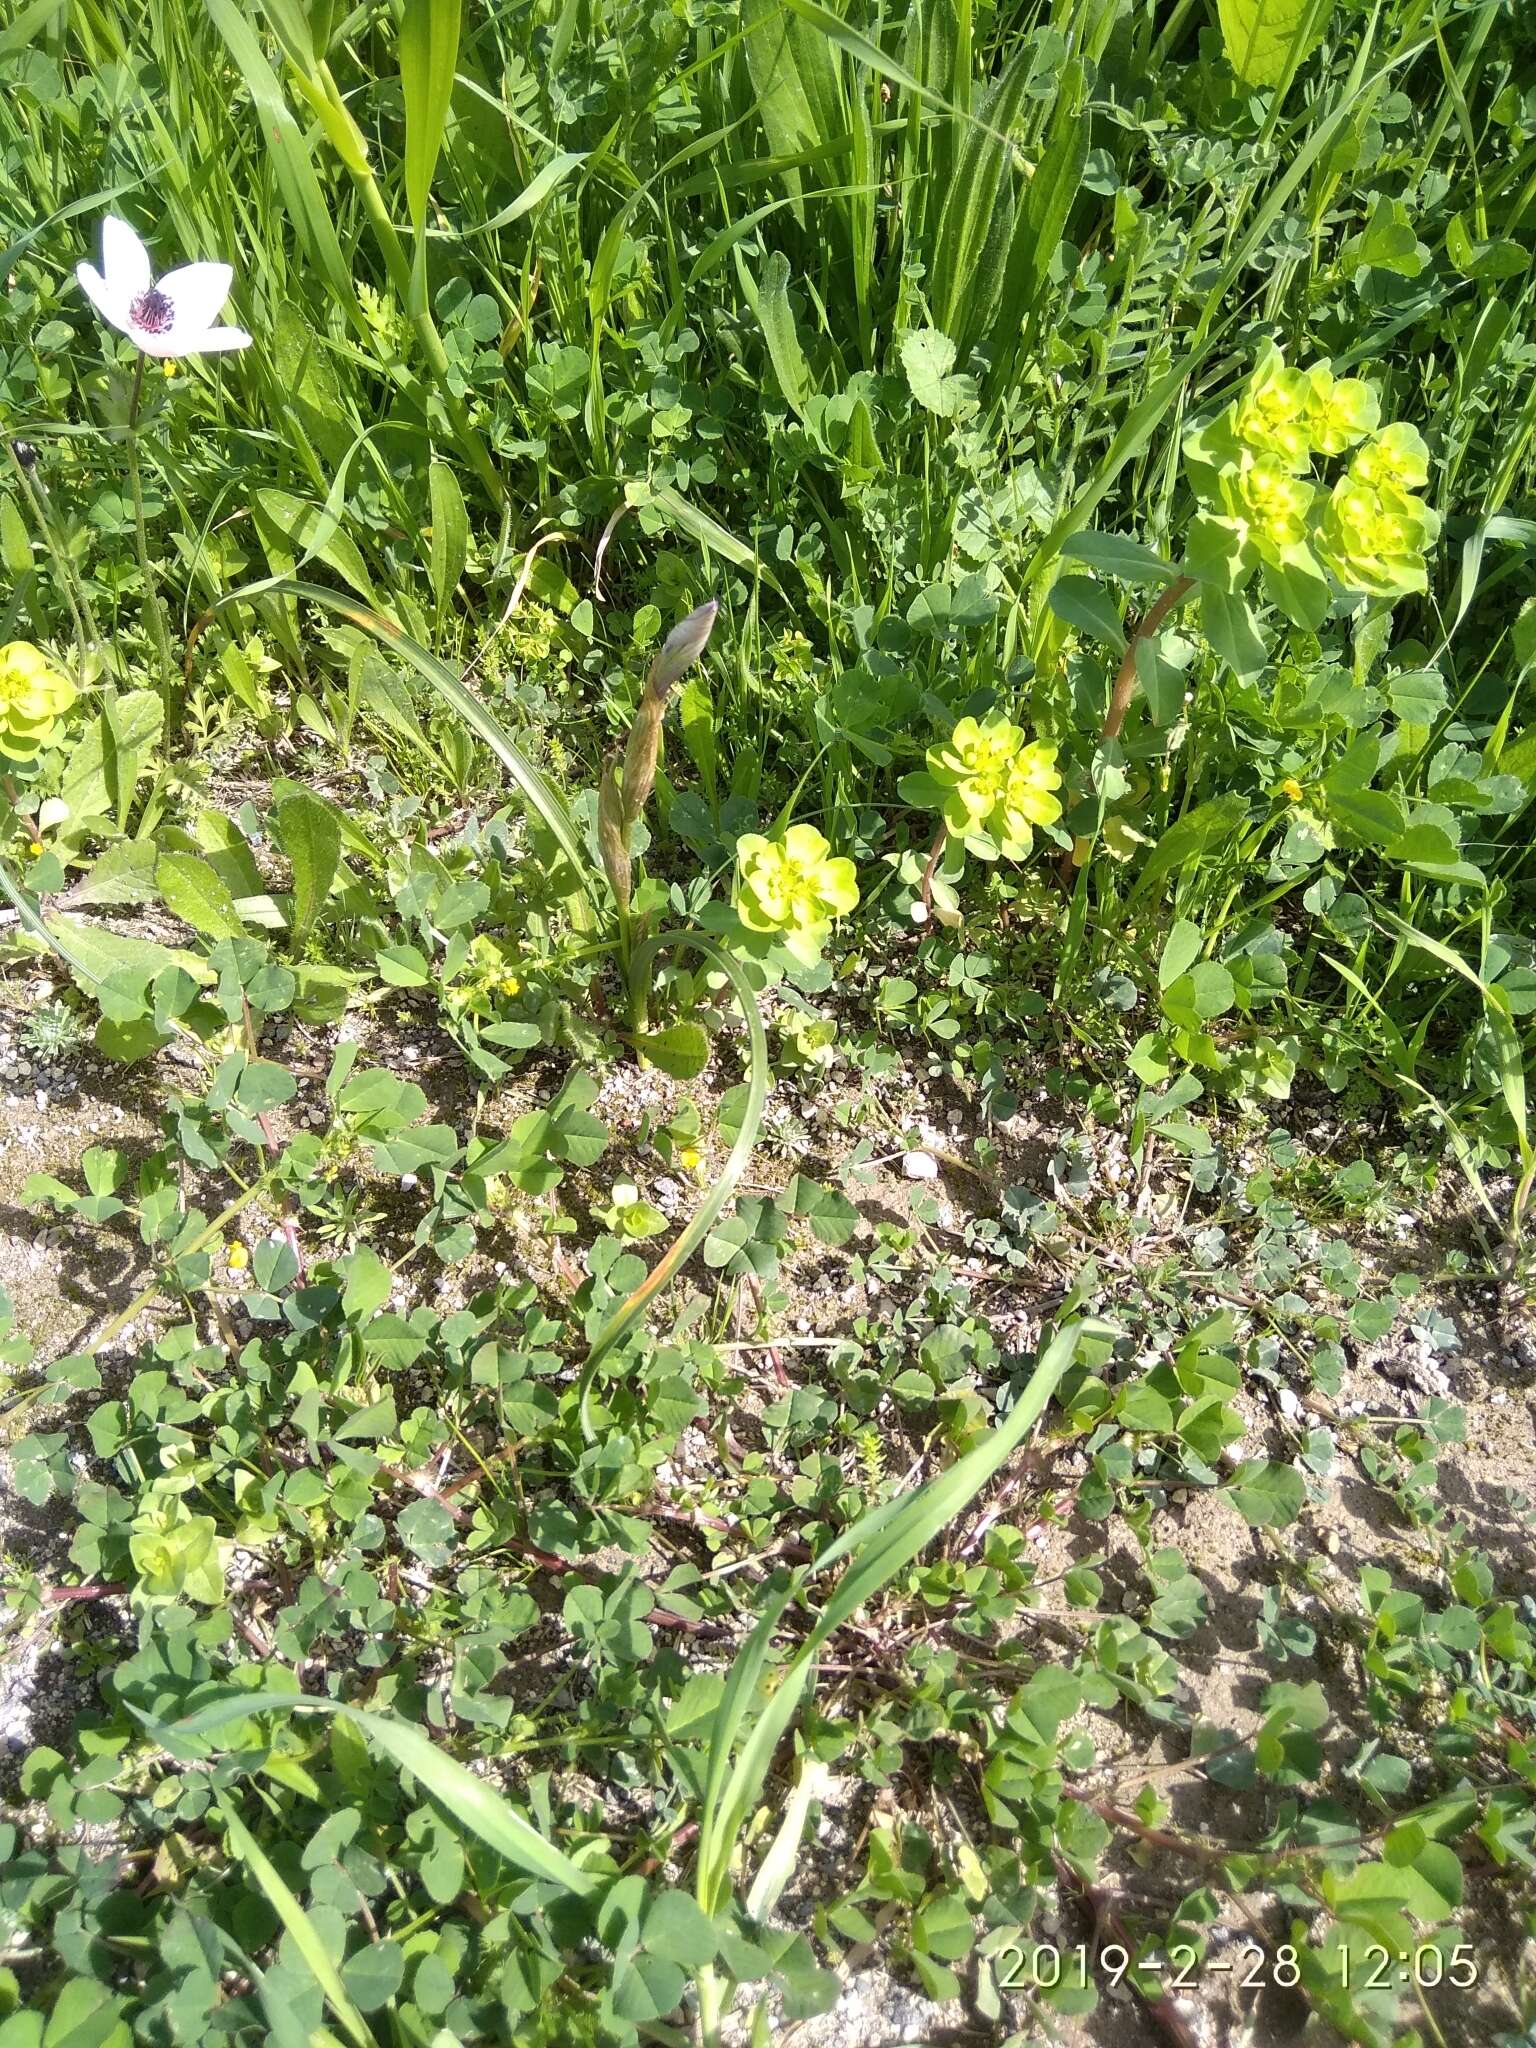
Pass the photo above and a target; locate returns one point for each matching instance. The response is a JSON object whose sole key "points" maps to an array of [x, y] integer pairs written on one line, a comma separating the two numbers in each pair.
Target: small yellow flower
{"points": [[793, 886], [170, 367], [509, 984], [689, 1158], [35, 848], [996, 781], [1292, 789], [1397, 456], [1271, 416], [33, 697], [238, 1257], [1340, 410]]}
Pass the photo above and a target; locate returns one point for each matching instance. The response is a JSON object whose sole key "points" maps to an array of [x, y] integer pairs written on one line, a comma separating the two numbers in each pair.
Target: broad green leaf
{"points": [[191, 889], [309, 835], [15, 541], [295, 533], [449, 547], [831, 1216], [681, 1049], [1114, 554], [928, 358], [1267, 1495], [106, 762], [1267, 39], [777, 318]]}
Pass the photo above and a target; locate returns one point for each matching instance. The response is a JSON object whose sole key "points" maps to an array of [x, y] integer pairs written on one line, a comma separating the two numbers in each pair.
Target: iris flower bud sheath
{"points": [[612, 839], [679, 651]]}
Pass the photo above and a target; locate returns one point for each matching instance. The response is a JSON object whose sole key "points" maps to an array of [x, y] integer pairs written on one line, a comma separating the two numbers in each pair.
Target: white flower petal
{"points": [[124, 258], [110, 301], [197, 293], [214, 342]]}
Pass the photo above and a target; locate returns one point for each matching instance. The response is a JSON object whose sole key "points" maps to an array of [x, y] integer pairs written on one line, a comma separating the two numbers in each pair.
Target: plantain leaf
{"points": [[191, 889], [308, 833], [449, 548], [1266, 40]]}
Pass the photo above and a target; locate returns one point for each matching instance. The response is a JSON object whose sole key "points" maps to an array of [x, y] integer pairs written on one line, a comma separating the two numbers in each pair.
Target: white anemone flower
{"points": [[173, 317]]}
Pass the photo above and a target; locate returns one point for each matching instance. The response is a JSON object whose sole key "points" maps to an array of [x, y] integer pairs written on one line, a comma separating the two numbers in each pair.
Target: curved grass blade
{"points": [[463, 1797], [297, 1924], [303, 198], [687, 1242], [540, 796], [881, 1543]]}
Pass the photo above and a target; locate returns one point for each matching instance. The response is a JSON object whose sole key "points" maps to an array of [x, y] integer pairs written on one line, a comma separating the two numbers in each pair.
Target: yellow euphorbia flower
{"points": [[1375, 539], [1340, 410], [793, 886], [1271, 417], [995, 781], [33, 697], [1398, 456], [1272, 506]]}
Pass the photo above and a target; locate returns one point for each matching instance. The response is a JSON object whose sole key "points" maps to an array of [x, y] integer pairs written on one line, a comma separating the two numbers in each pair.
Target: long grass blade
{"points": [[463, 1796], [297, 1925], [307, 205], [880, 1544], [429, 50], [539, 794]]}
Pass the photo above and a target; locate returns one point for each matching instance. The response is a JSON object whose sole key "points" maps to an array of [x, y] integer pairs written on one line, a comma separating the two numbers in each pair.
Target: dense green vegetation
{"points": [[765, 569]]}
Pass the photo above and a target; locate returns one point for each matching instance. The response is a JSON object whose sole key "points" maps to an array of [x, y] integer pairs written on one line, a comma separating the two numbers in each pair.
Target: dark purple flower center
{"points": [[152, 311]]}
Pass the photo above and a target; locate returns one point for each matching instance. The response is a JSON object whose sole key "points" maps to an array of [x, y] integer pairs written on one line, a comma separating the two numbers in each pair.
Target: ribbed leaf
{"points": [[1042, 213], [971, 242], [429, 50], [794, 72], [449, 548], [308, 831], [778, 323]]}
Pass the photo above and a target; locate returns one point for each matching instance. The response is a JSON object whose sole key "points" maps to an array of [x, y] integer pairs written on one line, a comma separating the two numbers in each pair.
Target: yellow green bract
{"points": [[1270, 419], [1340, 410], [1397, 455], [997, 782], [793, 886], [1253, 466], [1374, 539], [1271, 505], [34, 695]]}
